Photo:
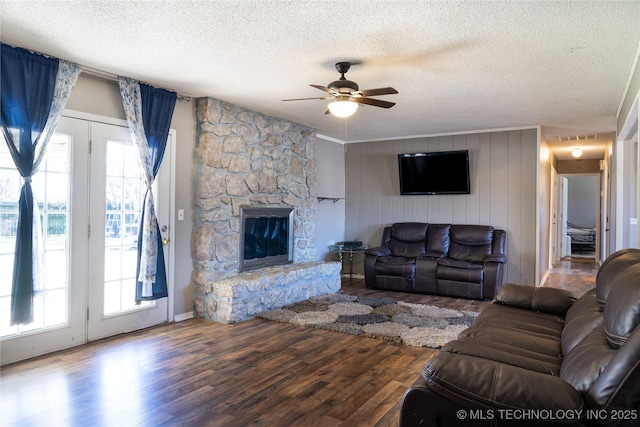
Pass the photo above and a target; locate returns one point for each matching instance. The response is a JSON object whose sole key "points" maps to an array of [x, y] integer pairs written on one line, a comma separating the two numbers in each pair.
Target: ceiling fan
{"points": [[347, 95]]}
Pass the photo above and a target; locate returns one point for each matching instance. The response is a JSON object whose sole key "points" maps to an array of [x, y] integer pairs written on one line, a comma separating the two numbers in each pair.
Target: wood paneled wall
{"points": [[503, 169]]}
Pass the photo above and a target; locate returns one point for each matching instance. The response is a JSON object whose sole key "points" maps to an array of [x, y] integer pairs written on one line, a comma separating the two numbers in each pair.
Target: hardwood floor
{"points": [[198, 373], [577, 275]]}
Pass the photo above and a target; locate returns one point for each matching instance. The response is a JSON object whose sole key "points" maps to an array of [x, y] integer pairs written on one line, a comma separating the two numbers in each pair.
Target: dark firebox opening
{"points": [[266, 237]]}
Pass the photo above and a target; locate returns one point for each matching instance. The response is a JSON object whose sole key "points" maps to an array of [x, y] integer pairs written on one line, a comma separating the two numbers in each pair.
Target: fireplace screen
{"points": [[266, 237]]}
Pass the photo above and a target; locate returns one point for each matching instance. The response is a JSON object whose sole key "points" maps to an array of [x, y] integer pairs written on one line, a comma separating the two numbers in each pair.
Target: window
{"points": [[51, 190]]}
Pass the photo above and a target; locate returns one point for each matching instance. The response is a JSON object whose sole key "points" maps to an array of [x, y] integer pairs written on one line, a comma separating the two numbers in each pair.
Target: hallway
{"points": [[577, 275]]}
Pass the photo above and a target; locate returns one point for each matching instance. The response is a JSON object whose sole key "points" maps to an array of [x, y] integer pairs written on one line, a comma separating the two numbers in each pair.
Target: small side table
{"points": [[342, 249]]}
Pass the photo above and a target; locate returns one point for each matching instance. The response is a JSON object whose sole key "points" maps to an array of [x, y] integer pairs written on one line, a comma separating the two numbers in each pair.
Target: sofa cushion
{"points": [[438, 239], [378, 251], [409, 231], [544, 345], [525, 322], [396, 266], [548, 300], [585, 362], [581, 319], [609, 270], [457, 273], [617, 386], [502, 352], [470, 242], [467, 265], [488, 383], [408, 239], [622, 311], [426, 279], [460, 289]]}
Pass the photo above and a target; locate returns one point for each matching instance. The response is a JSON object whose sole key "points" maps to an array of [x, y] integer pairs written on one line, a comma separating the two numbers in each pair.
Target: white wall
{"points": [[330, 214], [628, 118], [583, 200], [545, 194]]}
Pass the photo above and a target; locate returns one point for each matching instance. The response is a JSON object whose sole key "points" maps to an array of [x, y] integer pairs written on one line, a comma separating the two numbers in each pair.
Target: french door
{"points": [[59, 306], [89, 195], [115, 206]]}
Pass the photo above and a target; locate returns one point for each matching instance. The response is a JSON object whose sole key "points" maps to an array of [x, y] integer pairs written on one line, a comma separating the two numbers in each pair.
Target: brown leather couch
{"points": [[464, 261], [536, 356]]}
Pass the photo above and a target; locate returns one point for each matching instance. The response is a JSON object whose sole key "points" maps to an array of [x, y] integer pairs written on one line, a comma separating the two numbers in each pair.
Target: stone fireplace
{"points": [[247, 162]]}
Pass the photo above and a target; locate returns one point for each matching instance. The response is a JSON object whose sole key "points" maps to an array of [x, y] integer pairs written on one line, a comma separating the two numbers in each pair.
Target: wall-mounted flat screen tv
{"points": [[439, 172]]}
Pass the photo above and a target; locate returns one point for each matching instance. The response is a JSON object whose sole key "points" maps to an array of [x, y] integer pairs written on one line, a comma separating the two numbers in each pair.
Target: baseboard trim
{"points": [[545, 276], [183, 316], [353, 276]]}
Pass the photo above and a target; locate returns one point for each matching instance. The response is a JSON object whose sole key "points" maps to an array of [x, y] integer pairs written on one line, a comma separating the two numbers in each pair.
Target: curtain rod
{"points": [[95, 71], [113, 77]]}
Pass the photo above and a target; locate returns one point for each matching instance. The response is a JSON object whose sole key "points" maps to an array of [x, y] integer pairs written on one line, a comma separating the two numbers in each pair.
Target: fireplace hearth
{"points": [[266, 237]]}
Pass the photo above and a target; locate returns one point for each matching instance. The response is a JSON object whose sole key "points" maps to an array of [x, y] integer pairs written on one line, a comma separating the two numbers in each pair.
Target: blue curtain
{"points": [[34, 91], [157, 111], [149, 111]]}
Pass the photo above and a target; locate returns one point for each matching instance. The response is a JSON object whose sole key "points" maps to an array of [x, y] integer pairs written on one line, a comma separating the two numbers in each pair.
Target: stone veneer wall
{"points": [[243, 296], [245, 158]]}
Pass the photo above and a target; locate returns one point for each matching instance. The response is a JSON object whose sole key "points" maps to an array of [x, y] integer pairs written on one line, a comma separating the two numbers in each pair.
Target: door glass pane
{"points": [[123, 207], [51, 189]]}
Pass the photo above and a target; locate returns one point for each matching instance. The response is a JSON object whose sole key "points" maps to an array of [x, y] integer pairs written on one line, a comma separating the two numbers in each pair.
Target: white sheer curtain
{"points": [[132, 101]]}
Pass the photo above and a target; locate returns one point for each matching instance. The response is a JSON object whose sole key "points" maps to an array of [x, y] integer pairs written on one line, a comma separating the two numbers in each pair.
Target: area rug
{"points": [[382, 318]]}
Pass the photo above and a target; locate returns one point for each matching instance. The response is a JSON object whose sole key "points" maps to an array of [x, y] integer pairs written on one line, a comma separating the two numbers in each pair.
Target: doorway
{"points": [[579, 210], [115, 207], [89, 192]]}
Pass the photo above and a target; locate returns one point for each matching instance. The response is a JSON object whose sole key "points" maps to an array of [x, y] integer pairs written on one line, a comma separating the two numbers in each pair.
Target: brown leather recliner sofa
{"points": [[464, 261], [536, 356]]}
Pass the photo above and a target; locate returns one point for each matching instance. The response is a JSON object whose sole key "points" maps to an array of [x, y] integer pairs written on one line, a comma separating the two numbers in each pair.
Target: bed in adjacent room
{"points": [[582, 238]]}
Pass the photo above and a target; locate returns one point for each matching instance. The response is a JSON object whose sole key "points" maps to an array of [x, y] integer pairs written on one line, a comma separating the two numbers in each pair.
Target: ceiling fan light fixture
{"points": [[343, 108], [577, 152], [346, 95]]}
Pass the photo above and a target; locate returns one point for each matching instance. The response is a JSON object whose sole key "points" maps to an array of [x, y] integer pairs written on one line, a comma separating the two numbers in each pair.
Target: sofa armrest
{"points": [[499, 242], [478, 382], [370, 257], [379, 251], [501, 258], [546, 300]]}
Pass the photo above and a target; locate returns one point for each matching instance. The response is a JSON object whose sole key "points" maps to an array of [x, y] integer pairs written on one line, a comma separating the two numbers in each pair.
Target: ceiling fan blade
{"points": [[374, 102], [324, 88], [379, 91], [304, 99]]}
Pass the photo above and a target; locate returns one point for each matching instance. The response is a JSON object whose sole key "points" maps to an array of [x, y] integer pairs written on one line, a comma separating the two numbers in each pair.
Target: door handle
{"points": [[165, 241]]}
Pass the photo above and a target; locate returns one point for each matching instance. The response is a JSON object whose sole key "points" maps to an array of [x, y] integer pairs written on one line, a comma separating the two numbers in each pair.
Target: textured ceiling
{"points": [[458, 66]]}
